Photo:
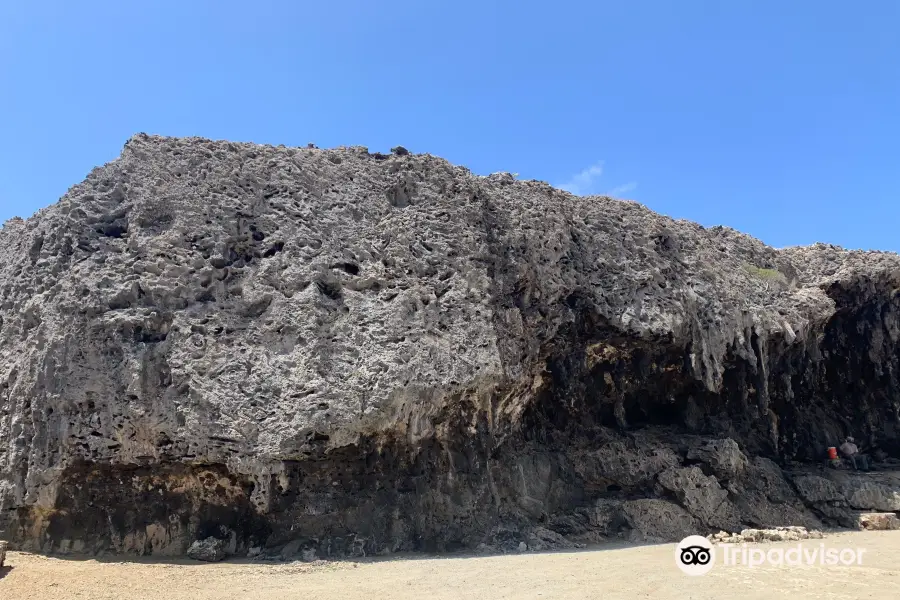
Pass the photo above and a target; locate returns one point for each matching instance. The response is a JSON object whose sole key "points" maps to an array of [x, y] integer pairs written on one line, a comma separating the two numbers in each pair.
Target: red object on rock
{"points": [[832, 453]]}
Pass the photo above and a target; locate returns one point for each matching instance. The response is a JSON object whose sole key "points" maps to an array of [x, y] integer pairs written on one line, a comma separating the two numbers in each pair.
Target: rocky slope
{"points": [[349, 353]]}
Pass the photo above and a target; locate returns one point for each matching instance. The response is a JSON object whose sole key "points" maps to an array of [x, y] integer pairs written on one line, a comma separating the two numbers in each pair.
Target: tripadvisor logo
{"points": [[695, 555]]}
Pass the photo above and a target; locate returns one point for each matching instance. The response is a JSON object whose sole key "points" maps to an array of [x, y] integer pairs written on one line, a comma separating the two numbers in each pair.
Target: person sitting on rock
{"points": [[849, 449]]}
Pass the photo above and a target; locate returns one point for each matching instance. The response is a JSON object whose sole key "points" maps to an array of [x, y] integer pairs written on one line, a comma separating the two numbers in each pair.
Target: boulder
{"points": [[722, 456], [291, 549], [309, 554], [541, 538], [208, 550], [878, 521], [701, 495]]}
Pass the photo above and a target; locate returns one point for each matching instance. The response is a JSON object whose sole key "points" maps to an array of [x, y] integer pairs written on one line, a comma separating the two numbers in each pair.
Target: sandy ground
{"points": [[620, 572]]}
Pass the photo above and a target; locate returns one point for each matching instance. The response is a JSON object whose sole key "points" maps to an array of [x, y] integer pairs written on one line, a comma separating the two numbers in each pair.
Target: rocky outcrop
{"points": [[845, 496], [348, 353]]}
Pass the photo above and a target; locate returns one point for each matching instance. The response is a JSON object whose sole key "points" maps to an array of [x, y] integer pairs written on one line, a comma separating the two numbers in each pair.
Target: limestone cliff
{"points": [[357, 353]]}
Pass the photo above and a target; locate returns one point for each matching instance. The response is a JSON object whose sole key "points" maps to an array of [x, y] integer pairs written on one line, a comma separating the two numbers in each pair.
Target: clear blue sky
{"points": [[779, 118]]}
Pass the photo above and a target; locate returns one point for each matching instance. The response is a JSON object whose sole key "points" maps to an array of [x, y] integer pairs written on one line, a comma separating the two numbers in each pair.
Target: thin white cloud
{"points": [[583, 183], [622, 189]]}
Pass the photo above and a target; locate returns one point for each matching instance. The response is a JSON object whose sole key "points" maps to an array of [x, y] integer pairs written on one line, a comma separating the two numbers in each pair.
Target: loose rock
{"points": [[879, 521], [208, 550], [775, 534]]}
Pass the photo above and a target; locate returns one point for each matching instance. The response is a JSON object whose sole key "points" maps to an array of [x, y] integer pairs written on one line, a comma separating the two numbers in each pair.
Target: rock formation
{"points": [[348, 353]]}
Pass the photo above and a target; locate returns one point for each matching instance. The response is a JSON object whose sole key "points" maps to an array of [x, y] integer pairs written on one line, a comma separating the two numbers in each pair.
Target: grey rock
{"points": [[388, 352], [607, 516], [756, 510], [624, 464], [702, 496], [208, 550], [483, 548], [873, 496], [291, 549], [764, 475], [309, 555], [724, 457], [659, 520], [813, 489], [841, 495], [542, 539]]}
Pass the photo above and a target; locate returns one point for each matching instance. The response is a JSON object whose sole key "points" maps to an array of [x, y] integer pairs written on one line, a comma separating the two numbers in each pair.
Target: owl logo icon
{"points": [[694, 555]]}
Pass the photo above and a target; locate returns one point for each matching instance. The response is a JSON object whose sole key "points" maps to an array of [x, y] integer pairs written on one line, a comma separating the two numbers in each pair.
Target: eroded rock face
{"points": [[357, 353]]}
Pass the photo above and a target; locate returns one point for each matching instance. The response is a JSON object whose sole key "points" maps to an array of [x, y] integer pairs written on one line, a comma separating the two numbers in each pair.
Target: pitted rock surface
{"points": [[366, 353]]}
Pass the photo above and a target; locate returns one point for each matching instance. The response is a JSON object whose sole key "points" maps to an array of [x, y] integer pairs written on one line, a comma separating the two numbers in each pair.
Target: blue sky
{"points": [[781, 119]]}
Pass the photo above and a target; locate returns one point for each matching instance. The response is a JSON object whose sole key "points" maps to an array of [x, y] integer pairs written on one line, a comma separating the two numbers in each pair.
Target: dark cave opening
{"points": [[792, 402]]}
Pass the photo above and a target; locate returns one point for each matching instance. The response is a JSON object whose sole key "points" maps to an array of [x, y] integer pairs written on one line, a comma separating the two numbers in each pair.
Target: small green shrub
{"points": [[766, 275]]}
